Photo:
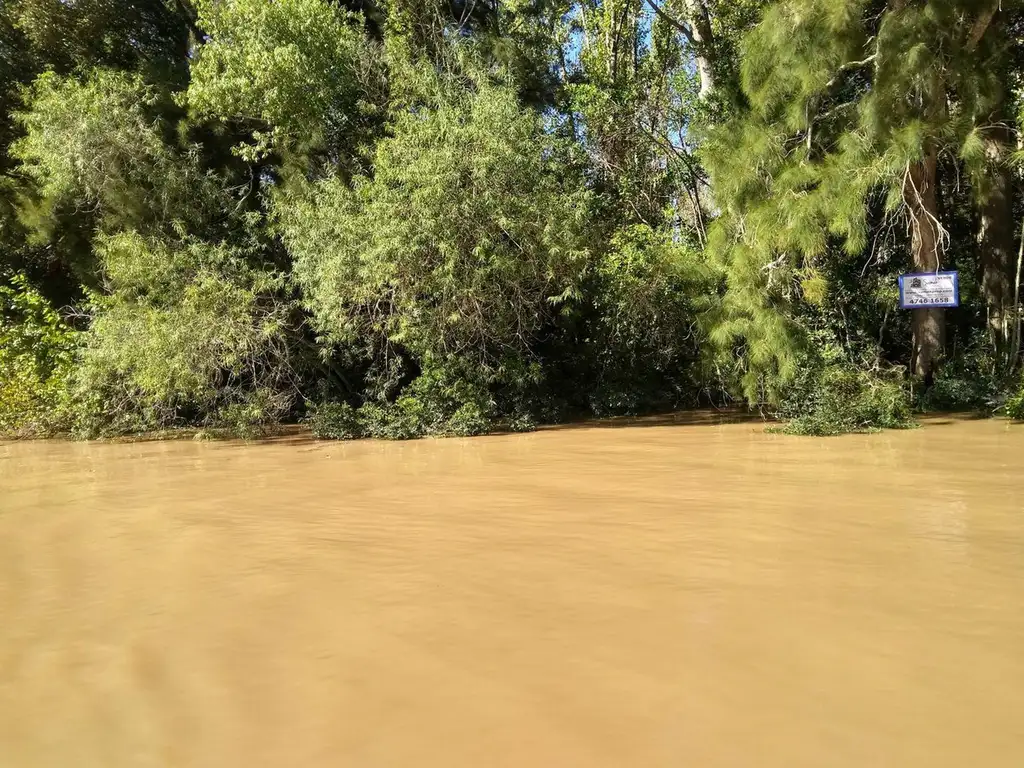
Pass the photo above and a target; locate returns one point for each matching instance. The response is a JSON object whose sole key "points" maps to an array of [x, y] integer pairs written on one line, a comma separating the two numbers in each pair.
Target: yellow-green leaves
{"points": [[300, 73], [454, 246], [98, 145]]}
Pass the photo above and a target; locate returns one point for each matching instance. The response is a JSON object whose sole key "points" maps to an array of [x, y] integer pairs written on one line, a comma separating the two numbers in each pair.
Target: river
{"points": [[695, 594]]}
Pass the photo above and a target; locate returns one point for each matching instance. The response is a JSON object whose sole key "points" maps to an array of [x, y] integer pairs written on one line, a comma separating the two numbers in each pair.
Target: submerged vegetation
{"points": [[396, 218]]}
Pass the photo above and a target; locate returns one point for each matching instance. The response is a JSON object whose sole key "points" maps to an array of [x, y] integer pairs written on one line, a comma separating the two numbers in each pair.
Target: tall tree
{"points": [[851, 102], [997, 50]]}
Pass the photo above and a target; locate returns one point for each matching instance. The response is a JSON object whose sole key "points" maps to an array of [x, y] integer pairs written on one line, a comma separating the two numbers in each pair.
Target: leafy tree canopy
{"points": [[403, 218]]}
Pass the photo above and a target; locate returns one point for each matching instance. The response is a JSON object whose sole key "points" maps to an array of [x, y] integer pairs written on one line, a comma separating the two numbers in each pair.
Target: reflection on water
{"points": [[704, 595]]}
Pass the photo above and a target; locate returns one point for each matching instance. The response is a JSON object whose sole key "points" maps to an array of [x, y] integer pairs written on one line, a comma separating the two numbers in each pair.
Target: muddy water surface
{"points": [[694, 595]]}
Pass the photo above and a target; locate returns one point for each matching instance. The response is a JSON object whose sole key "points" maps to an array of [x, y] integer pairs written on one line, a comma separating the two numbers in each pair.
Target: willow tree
{"points": [[298, 81], [852, 105], [191, 320], [458, 251]]}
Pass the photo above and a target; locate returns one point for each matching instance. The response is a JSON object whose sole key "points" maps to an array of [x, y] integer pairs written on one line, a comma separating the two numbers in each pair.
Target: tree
{"points": [[186, 332], [36, 36], [298, 77], [853, 104], [188, 318], [101, 151], [459, 250], [989, 160], [121, 34]]}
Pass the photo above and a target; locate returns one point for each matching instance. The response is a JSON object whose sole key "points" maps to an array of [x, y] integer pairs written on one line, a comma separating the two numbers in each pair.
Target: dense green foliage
{"points": [[412, 217], [36, 359], [830, 396]]}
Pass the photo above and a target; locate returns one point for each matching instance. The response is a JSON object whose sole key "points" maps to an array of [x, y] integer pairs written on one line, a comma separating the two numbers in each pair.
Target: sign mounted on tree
{"points": [[928, 290]]}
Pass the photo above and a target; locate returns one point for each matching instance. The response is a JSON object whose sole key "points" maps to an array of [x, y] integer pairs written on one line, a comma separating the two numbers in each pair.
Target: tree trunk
{"points": [[697, 30], [700, 29], [929, 325], [995, 241], [1000, 278]]}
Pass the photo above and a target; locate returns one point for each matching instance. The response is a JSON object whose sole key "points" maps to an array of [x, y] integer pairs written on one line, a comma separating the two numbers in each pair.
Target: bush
{"points": [[334, 421], [96, 144], [255, 414], [37, 352], [301, 68], [400, 420], [839, 397], [642, 342], [460, 251], [190, 335], [433, 404], [967, 382], [1015, 404]]}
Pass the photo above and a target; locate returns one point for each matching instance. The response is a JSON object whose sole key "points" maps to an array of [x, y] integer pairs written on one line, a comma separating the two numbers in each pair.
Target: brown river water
{"points": [[696, 594]]}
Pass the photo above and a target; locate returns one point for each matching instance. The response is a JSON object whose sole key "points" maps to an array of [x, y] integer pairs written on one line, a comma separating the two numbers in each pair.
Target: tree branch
{"points": [[981, 25], [847, 67], [687, 32]]}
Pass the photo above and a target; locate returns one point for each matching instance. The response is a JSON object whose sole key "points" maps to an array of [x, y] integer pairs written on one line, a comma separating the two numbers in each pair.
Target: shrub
{"points": [[37, 352], [1015, 404], [967, 382], [642, 343], [334, 421], [299, 69], [463, 246], [97, 145], [433, 404], [839, 397], [400, 420], [190, 335], [254, 414]]}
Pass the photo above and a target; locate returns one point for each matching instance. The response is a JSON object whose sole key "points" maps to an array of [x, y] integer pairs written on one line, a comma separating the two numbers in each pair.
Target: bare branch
{"points": [[847, 67]]}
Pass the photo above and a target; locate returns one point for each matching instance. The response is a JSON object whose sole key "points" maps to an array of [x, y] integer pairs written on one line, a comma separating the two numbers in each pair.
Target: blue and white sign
{"points": [[928, 290]]}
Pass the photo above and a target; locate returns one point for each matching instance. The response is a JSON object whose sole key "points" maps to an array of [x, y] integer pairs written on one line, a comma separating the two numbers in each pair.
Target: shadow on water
{"points": [[953, 417], [711, 417], [707, 417], [299, 435]]}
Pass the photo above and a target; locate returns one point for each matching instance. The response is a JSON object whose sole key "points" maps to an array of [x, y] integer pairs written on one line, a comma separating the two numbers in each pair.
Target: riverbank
{"points": [[694, 417], [285, 431]]}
